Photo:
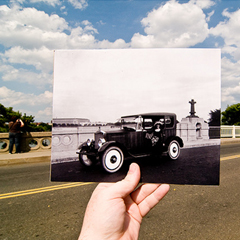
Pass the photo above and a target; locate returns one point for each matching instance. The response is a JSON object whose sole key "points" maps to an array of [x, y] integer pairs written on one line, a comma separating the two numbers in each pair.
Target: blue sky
{"points": [[32, 29]]}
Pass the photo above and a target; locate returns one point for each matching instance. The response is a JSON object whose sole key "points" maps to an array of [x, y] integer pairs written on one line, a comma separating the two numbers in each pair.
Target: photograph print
{"points": [[157, 107]]}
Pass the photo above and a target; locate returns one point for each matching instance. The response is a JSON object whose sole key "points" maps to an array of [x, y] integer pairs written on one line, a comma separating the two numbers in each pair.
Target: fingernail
{"points": [[132, 168]]}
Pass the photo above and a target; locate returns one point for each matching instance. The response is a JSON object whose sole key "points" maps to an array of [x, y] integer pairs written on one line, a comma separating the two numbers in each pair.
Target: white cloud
{"points": [[32, 36], [50, 2], [30, 17], [230, 71], [230, 82], [119, 43], [231, 95], [31, 104], [41, 59], [28, 31], [29, 27], [12, 98], [101, 22], [229, 30], [62, 8], [9, 73], [173, 25], [203, 4], [88, 27], [45, 115], [209, 15], [79, 4]]}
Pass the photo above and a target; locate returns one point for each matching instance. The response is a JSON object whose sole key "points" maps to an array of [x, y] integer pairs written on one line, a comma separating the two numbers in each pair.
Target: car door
{"points": [[137, 141]]}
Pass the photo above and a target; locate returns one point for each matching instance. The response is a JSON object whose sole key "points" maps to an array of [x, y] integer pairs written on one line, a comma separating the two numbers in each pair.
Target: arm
{"points": [[21, 122]]}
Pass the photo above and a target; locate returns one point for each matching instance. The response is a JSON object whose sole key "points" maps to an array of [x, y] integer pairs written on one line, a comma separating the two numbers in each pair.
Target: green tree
{"points": [[231, 116], [5, 116], [6, 113], [215, 118]]}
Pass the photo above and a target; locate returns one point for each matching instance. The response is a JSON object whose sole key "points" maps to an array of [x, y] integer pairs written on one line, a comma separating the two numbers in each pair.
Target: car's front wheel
{"points": [[112, 159], [86, 160], [174, 150]]}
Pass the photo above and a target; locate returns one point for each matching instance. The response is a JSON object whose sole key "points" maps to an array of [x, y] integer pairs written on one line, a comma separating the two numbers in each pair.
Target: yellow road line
{"points": [[67, 185], [230, 157], [41, 190]]}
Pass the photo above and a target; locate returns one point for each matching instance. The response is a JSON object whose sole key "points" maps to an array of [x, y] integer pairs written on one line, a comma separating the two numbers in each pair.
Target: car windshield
{"points": [[130, 122]]}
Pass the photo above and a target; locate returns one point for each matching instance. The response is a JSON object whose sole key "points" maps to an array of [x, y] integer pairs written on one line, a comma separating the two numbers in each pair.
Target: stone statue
{"points": [[192, 109]]}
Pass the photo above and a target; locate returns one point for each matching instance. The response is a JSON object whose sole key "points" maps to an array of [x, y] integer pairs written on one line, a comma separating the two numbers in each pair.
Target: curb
{"points": [[14, 159], [225, 141]]}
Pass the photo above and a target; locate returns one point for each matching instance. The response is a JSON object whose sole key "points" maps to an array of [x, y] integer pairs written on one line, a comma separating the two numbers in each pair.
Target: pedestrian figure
{"points": [[15, 133]]}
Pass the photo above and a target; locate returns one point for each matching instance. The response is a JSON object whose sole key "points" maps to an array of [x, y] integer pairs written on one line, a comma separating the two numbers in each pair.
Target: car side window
{"points": [[169, 121], [147, 123]]}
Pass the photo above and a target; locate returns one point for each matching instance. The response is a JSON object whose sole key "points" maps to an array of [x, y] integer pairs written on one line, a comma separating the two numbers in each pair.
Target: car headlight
{"points": [[101, 141], [89, 141]]}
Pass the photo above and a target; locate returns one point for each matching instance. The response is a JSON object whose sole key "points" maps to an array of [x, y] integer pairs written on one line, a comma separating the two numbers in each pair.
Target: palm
{"points": [[115, 210]]}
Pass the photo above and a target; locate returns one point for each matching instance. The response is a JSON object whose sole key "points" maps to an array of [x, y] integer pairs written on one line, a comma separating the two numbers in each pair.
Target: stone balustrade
{"points": [[33, 141], [65, 141], [230, 131]]}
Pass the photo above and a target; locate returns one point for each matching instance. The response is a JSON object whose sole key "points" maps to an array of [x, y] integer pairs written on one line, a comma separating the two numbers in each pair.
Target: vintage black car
{"points": [[138, 136]]}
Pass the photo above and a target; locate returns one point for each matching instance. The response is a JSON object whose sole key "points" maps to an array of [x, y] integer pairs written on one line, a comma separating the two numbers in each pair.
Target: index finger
{"points": [[143, 191], [152, 198]]}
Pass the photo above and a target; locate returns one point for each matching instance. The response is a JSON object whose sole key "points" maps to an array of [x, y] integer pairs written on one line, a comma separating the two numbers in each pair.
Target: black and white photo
{"points": [[151, 106]]}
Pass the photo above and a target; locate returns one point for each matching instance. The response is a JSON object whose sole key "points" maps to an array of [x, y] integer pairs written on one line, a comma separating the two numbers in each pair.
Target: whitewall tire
{"points": [[112, 159]]}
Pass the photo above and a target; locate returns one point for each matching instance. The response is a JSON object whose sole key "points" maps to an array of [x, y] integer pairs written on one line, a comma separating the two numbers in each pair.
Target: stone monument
{"points": [[193, 128]]}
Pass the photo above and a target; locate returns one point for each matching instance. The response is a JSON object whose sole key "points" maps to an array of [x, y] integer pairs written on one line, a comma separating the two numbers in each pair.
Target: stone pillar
{"points": [[193, 129]]}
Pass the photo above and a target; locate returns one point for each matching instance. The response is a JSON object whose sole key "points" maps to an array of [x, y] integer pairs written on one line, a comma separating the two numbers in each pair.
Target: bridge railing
{"points": [[36, 141], [230, 131], [33, 141]]}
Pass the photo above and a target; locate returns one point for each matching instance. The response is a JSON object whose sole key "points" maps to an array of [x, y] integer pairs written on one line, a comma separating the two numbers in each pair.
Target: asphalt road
{"points": [[199, 165], [53, 212]]}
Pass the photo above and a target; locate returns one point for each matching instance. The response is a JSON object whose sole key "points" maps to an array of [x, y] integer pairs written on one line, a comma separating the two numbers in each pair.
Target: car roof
{"points": [[156, 114]]}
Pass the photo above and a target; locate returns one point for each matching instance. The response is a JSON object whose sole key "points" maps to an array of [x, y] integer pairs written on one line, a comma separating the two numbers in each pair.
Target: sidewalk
{"points": [[202, 143], [27, 157], [45, 155], [229, 140]]}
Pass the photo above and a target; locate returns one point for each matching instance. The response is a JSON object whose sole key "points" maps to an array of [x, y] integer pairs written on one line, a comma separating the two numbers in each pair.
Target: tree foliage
{"points": [[231, 116], [6, 114], [215, 118]]}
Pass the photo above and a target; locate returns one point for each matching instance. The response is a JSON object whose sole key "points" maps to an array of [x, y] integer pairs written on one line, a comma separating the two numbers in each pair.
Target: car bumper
{"points": [[90, 153]]}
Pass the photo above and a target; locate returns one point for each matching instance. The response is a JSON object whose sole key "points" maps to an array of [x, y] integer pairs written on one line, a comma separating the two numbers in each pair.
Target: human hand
{"points": [[20, 120], [115, 210]]}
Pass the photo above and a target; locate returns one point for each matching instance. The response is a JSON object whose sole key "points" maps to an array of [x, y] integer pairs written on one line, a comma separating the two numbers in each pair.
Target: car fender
{"points": [[84, 144], [180, 141], [110, 144]]}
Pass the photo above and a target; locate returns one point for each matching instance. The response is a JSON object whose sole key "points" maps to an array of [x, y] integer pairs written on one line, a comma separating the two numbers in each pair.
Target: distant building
{"points": [[70, 121]]}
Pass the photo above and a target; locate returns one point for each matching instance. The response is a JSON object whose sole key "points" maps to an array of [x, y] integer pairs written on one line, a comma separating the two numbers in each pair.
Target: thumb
{"points": [[129, 183]]}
